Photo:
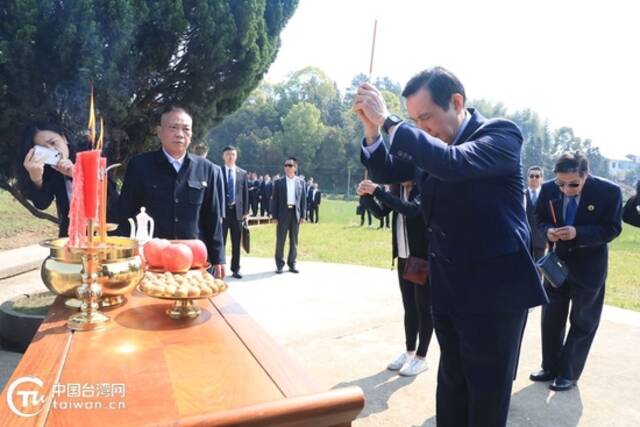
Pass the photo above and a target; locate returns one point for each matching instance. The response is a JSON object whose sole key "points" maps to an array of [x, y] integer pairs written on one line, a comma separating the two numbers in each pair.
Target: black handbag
{"points": [[553, 269], [246, 236]]}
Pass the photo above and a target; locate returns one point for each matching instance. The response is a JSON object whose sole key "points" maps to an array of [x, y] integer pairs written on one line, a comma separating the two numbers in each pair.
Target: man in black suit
{"points": [[180, 191], [534, 184], [482, 276], [288, 209], [265, 194], [580, 214], [631, 211], [236, 195], [254, 188], [315, 197]]}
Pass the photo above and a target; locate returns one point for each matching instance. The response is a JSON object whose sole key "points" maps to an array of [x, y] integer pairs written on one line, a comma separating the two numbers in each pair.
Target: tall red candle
{"points": [[90, 161]]}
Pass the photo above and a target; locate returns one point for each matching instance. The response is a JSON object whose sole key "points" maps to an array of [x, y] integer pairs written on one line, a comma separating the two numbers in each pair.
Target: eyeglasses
{"points": [[289, 165], [534, 176], [568, 184]]}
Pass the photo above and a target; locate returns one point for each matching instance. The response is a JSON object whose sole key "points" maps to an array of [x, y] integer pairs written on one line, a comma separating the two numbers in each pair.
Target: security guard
{"points": [[579, 213], [180, 191]]}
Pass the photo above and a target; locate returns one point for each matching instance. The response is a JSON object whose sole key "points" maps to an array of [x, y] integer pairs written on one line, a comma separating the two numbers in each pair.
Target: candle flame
{"points": [[91, 127], [101, 137]]}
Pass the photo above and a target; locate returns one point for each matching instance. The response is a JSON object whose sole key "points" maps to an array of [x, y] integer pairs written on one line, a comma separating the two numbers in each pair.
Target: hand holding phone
{"points": [[46, 155]]}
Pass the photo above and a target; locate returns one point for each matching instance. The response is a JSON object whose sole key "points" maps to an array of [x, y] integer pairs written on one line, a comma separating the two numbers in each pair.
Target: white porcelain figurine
{"points": [[142, 229]]}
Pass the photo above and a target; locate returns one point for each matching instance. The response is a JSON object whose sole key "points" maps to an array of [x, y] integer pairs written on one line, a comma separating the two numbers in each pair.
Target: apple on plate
{"points": [[177, 258], [199, 251], [153, 251]]}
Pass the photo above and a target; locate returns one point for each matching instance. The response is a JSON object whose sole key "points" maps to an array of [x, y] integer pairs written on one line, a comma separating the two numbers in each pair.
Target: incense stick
{"points": [[373, 48]]}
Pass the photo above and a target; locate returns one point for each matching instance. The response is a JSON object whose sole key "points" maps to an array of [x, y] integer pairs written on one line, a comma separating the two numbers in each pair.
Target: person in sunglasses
{"points": [[532, 194], [580, 214], [631, 211], [288, 210]]}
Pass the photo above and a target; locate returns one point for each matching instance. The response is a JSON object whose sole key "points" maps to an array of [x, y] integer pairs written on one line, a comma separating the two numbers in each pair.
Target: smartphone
{"points": [[48, 156]]}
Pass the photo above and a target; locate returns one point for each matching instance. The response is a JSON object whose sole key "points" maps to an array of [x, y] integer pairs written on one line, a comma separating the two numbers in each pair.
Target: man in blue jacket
{"points": [[481, 272], [579, 213]]}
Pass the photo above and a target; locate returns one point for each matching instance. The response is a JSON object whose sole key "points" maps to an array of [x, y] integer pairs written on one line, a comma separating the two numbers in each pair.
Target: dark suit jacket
{"points": [[317, 198], [266, 188], [184, 205], [241, 191], [473, 206], [539, 240], [279, 198], [630, 214], [383, 202], [597, 222]]}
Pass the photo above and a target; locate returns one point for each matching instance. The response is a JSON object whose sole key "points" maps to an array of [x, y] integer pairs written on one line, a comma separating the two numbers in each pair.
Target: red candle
{"points": [[90, 161]]}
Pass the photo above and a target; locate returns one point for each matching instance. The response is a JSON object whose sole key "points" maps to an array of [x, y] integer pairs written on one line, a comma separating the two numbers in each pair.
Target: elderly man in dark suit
{"points": [[180, 191], [236, 194], [482, 276], [580, 214], [288, 210], [535, 177]]}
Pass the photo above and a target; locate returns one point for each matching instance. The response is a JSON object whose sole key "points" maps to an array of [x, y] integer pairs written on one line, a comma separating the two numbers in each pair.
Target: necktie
{"points": [[231, 188], [572, 208], [534, 197]]}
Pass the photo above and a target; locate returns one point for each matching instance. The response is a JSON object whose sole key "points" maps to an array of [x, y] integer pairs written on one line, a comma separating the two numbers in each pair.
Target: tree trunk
{"points": [[24, 202]]}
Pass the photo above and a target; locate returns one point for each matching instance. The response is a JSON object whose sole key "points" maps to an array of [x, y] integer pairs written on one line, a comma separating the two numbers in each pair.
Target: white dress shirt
{"points": [[176, 163], [291, 190]]}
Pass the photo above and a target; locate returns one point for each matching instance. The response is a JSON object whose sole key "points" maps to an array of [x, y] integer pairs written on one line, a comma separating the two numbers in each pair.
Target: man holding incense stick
{"points": [[580, 214], [181, 191], [482, 276]]}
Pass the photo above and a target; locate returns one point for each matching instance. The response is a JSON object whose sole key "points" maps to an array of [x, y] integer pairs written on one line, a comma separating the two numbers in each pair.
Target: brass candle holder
{"points": [[89, 318]]}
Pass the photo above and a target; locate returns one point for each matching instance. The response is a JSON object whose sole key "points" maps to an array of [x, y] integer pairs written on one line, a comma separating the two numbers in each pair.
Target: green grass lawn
{"points": [[18, 227], [339, 238]]}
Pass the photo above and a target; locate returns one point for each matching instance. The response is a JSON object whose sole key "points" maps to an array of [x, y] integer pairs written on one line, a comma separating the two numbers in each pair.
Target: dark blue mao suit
{"points": [[482, 276], [597, 222], [187, 204]]}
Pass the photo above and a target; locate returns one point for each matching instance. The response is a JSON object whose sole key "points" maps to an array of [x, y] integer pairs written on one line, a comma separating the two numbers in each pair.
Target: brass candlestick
{"points": [[90, 291]]}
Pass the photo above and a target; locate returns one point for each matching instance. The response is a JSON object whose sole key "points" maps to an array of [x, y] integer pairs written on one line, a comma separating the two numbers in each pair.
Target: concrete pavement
{"points": [[344, 324]]}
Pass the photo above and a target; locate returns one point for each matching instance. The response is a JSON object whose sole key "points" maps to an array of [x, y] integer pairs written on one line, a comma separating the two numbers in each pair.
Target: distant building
{"points": [[620, 168]]}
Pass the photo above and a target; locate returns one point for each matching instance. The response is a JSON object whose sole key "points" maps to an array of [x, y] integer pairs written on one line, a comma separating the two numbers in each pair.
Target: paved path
{"points": [[344, 323]]}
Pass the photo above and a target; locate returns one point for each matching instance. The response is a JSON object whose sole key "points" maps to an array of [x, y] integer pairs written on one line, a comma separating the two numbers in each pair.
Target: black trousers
{"points": [[253, 201], [478, 356], [314, 213], [567, 357], [368, 212], [287, 224], [418, 322], [264, 206], [231, 224]]}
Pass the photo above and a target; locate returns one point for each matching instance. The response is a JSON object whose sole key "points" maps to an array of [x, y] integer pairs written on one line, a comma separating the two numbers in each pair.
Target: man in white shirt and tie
{"points": [[534, 184], [288, 210]]}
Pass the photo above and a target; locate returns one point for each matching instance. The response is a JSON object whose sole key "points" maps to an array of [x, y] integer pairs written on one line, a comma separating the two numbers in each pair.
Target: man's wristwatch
{"points": [[391, 121]]}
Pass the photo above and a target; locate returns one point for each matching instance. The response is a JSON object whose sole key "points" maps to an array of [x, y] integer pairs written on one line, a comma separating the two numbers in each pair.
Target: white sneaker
{"points": [[413, 367], [399, 361]]}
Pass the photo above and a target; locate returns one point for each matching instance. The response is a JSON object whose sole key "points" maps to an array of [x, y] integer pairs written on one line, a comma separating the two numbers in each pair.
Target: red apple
{"points": [[177, 258], [153, 251], [199, 251]]}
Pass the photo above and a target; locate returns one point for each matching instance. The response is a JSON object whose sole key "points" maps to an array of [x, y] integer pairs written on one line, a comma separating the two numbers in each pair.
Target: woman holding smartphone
{"points": [[409, 241], [45, 170]]}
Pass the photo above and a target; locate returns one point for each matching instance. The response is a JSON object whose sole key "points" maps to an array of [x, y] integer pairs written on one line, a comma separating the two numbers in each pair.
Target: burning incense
{"points": [[373, 48]]}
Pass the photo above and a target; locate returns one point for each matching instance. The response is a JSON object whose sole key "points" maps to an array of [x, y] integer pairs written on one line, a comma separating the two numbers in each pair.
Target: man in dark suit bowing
{"points": [[586, 216], [288, 210], [482, 276], [236, 192], [535, 178]]}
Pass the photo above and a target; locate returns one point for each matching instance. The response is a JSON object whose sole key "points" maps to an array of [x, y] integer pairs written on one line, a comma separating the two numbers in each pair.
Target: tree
{"points": [[140, 55]]}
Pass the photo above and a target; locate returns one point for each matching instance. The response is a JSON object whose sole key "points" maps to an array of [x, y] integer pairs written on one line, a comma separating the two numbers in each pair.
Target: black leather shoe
{"points": [[562, 384], [279, 271], [542, 375], [293, 270], [237, 275]]}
